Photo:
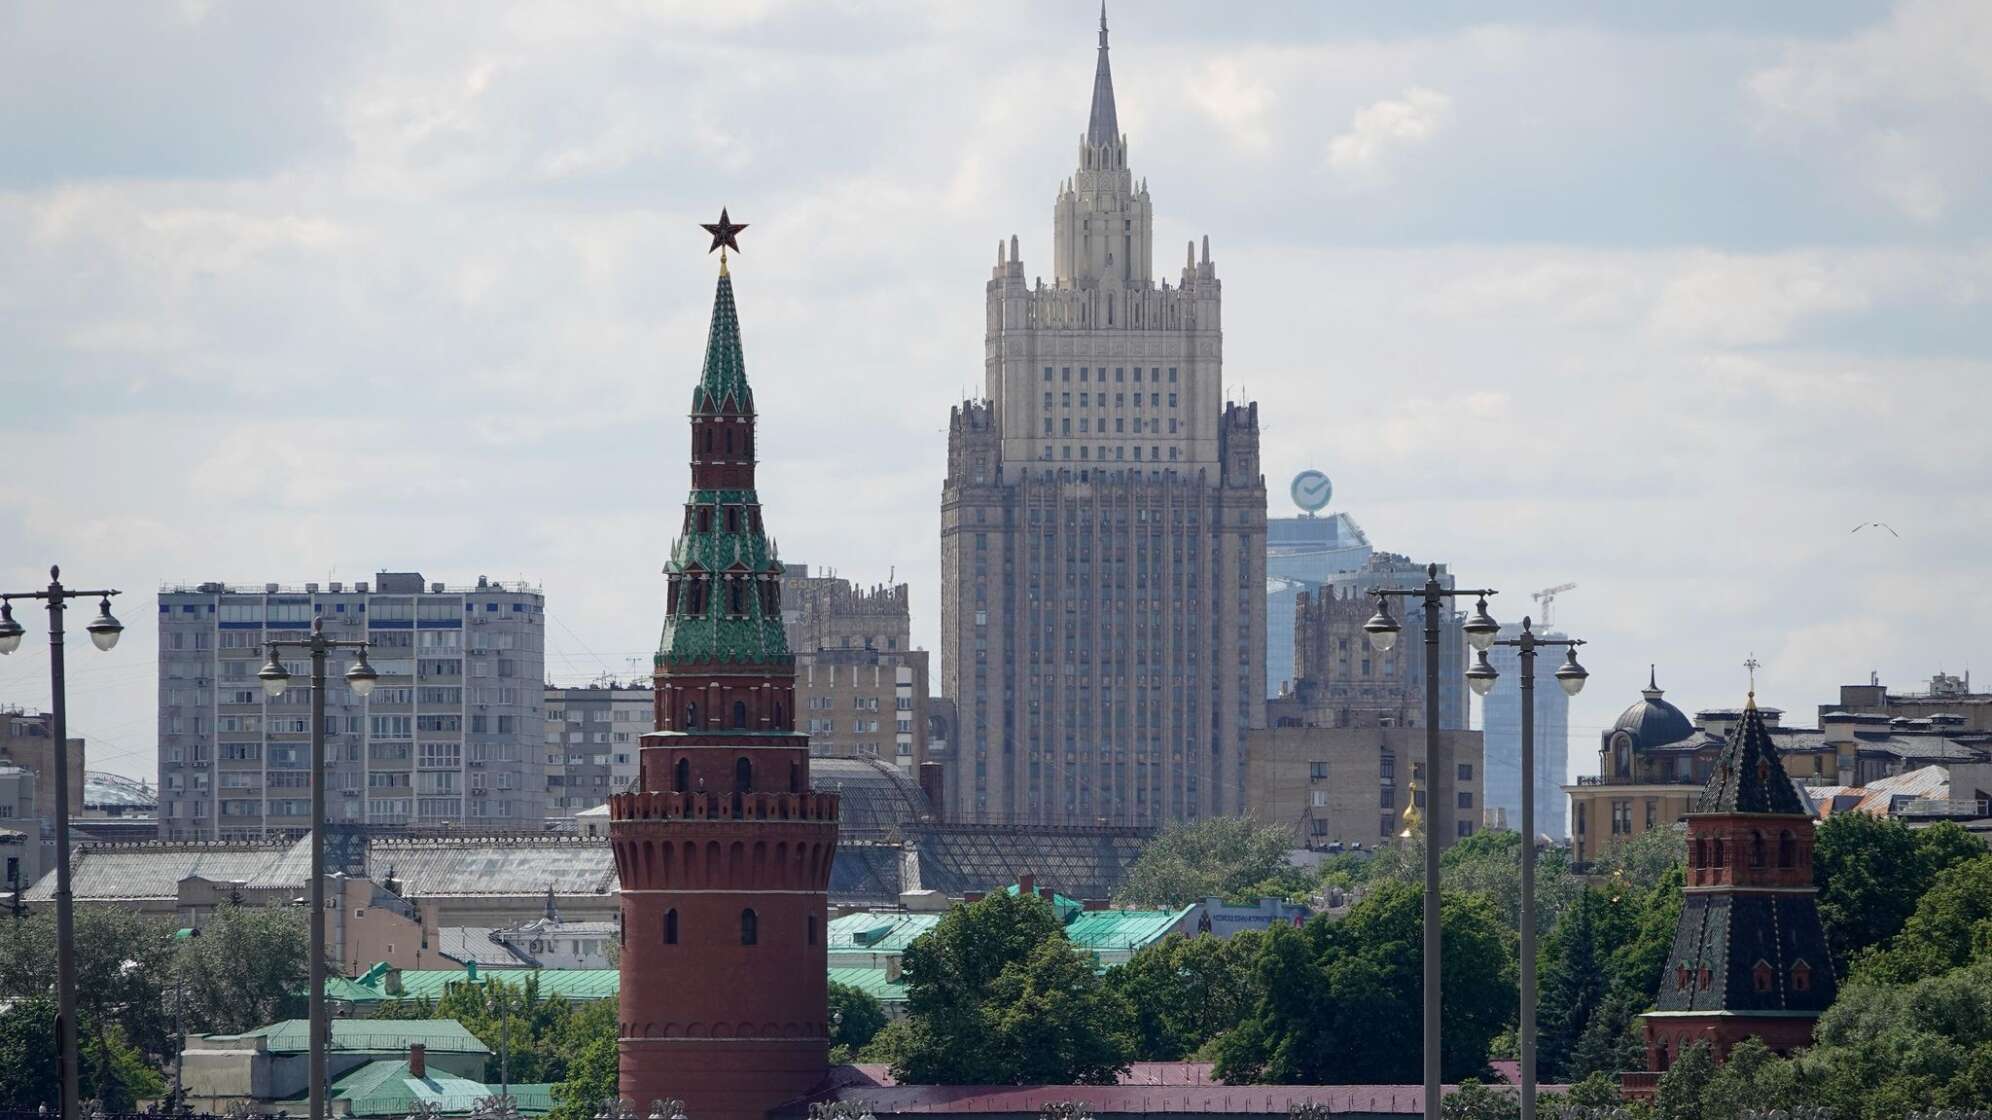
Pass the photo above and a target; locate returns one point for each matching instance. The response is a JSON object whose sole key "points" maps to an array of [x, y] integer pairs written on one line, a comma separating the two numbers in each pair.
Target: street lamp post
{"points": [[275, 679], [104, 631], [1570, 676], [1480, 631]]}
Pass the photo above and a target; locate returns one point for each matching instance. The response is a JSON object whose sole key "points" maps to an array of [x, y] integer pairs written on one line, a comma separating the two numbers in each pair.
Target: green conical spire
{"points": [[723, 568], [725, 373]]}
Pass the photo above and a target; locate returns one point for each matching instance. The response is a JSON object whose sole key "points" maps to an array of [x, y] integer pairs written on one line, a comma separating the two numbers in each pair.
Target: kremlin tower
{"points": [[723, 850], [1749, 956]]}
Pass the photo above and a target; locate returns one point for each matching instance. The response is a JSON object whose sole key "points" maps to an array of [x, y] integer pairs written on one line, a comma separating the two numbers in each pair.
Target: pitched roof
{"points": [[572, 984], [1111, 930], [153, 871], [430, 867], [873, 982], [875, 931], [1747, 776], [389, 1088], [725, 372]]}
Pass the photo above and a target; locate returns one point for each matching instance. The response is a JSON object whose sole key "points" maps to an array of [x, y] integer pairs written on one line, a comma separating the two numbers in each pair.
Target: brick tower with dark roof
{"points": [[1749, 956], [724, 850]]}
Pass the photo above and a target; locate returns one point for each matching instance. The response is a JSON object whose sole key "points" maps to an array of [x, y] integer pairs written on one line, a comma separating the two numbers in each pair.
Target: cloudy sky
{"points": [[1661, 300]]}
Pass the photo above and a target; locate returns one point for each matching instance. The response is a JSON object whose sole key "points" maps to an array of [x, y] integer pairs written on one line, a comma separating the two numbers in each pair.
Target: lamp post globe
{"points": [[361, 677], [1482, 676], [10, 631], [1570, 675], [1480, 627], [1381, 628], [105, 628], [274, 677]]}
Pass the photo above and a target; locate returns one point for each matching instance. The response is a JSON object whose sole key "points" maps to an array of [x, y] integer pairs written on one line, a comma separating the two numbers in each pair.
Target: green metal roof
{"points": [[878, 931], [387, 1088], [438, 1036], [872, 982], [723, 381], [1104, 930], [575, 984]]}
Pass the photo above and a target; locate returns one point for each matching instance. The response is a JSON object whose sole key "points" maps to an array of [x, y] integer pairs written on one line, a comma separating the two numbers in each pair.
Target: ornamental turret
{"points": [[723, 850]]}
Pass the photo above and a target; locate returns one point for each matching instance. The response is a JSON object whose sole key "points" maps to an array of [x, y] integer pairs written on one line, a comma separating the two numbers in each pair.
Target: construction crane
{"points": [[1547, 596]]}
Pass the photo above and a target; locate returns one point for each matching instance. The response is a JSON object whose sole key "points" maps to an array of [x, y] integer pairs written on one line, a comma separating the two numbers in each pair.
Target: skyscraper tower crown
{"points": [[723, 850], [1103, 127]]}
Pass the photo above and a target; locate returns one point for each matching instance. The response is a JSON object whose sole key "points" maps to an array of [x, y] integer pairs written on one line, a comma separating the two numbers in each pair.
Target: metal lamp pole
{"points": [[1480, 631], [104, 631], [1571, 677], [276, 678]]}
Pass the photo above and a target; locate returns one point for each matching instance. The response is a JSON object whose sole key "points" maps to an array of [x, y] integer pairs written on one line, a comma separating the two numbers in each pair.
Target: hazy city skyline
{"points": [[305, 294]]}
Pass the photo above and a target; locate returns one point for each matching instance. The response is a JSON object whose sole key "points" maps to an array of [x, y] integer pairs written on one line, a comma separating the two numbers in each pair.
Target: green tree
{"points": [[1950, 927], [1573, 979], [1638, 862], [1188, 991], [1220, 856], [123, 973], [1678, 1096], [526, 1031], [1340, 1002], [1052, 1021], [1882, 1049], [112, 1072], [996, 995], [1474, 1101], [1871, 871], [857, 1019], [248, 968], [593, 1063]]}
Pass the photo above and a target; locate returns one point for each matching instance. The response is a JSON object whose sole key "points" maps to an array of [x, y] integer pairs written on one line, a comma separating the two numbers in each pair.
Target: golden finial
{"points": [[1414, 820]]}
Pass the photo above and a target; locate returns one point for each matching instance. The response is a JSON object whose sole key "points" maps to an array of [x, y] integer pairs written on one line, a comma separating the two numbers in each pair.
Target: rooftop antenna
{"points": [[1751, 663]]}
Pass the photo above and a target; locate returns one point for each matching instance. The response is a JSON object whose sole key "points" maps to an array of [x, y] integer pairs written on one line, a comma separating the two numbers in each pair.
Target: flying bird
{"points": [[1877, 525]]}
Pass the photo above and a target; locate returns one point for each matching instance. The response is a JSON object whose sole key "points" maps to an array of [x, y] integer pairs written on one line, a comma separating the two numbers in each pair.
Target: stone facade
{"points": [[864, 703], [1349, 786], [1339, 681], [824, 611], [724, 852], [1102, 529], [27, 740]]}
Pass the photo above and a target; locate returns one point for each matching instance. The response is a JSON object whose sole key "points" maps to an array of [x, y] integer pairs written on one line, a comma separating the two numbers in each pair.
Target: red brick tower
{"points": [[724, 852], [1749, 956]]}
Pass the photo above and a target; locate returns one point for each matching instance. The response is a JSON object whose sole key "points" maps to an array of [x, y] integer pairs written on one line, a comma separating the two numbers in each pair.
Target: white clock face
{"points": [[1312, 490]]}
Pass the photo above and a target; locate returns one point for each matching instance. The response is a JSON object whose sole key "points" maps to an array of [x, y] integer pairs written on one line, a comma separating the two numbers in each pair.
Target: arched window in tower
{"points": [[732, 519], [1801, 977], [1756, 849], [1701, 852], [705, 519], [681, 775], [1760, 976], [671, 927], [743, 775], [750, 927], [795, 772], [736, 597], [1787, 849], [694, 598], [779, 725], [740, 713], [1719, 861], [671, 597], [729, 441]]}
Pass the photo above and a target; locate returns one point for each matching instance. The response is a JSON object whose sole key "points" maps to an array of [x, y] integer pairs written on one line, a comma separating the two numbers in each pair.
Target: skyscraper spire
{"points": [[1103, 127]]}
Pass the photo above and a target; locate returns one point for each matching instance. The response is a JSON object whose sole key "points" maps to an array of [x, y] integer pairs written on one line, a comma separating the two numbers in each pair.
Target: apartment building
{"points": [[592, 736], [451, 734]]}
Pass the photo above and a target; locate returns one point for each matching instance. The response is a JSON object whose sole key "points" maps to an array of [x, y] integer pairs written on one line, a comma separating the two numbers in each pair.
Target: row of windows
{"points": [[1154, 426], [1120, 373], [750, 928], [1120, 453], [1120, 400]]}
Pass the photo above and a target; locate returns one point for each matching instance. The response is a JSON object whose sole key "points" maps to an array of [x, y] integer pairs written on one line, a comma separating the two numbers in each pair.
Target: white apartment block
{"points": [[449, 736]]}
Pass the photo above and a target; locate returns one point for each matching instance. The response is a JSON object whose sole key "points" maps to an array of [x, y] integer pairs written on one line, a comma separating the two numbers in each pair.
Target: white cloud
{"points": [[1380, 130], [1237, 100]]}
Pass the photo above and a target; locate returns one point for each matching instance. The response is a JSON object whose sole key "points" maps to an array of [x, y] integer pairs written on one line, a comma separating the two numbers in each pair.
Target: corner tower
{"points": [[724, 850], [1749, 956]]}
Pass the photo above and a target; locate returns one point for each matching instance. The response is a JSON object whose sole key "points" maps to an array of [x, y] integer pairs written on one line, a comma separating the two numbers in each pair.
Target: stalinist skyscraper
{"points": [[1103, 528]]}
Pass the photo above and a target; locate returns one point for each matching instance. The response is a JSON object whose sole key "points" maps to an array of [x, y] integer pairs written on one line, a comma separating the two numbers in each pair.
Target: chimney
{"points": [[418, 1060], [1027, 884]]}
